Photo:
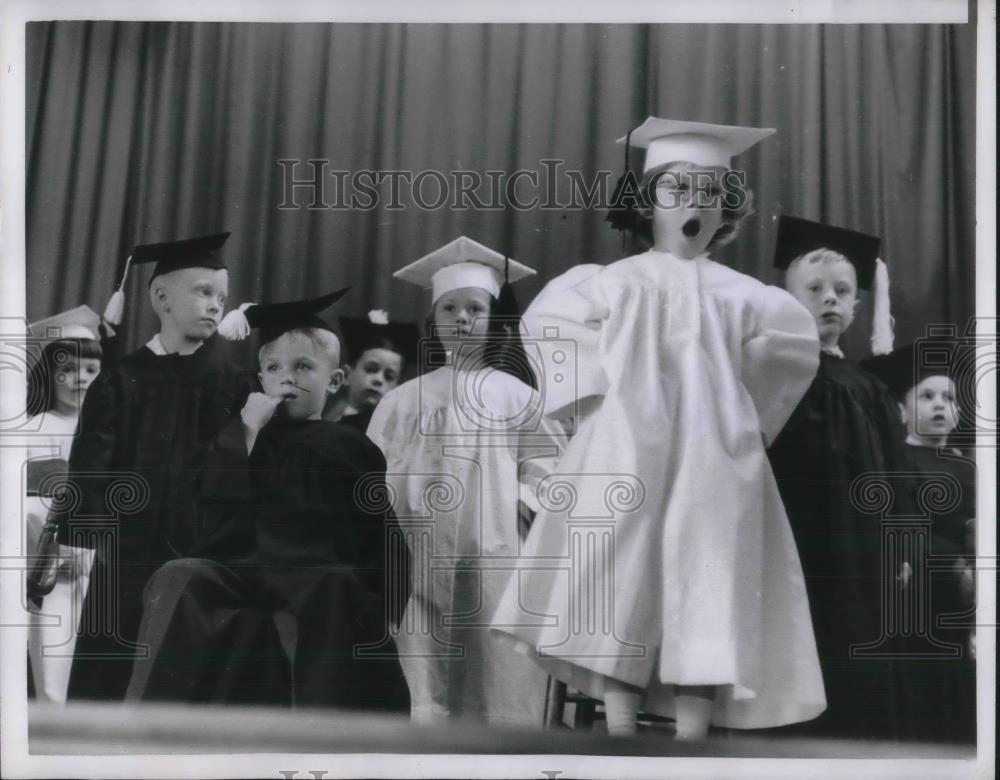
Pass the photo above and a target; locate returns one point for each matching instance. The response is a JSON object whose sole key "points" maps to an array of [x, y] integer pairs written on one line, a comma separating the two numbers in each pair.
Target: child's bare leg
{"points": [[621, 707], [694, 710]]}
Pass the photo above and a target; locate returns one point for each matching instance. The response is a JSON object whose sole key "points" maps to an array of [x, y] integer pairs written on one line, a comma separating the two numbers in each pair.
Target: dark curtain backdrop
{"points": [[141, 132]]}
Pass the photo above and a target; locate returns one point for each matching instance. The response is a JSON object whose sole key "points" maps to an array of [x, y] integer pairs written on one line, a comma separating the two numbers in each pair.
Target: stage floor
{"points": [[114, 729]]}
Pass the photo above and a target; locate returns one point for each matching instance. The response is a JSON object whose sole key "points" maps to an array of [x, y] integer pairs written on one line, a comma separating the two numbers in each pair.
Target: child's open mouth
{"points": [[691, 228]]}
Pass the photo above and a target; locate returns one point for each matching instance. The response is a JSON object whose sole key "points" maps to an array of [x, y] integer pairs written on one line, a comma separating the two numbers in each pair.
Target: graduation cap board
{"points": [[797, 237], [79, 323], [463, 263], [199, 252], [906, 367], [708, 145], [376, 332], [274, 319]]}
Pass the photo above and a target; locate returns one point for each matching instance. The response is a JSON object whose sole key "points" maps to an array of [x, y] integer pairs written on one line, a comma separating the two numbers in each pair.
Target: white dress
{"points": [[52, 628], [662, 554], [461, 447]]}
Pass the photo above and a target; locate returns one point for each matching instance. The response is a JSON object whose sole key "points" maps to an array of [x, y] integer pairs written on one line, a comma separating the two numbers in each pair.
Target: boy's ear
{"points": [[159, 296], [902, 413], [336, 380], [260, 378]]}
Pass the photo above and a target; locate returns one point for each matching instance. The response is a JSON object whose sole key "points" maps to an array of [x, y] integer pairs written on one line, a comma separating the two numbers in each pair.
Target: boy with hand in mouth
{"points": [[293, 531]]}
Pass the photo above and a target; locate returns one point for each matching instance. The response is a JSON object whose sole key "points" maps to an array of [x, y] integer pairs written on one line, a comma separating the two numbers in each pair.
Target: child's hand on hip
{"points": [[258, 410]]}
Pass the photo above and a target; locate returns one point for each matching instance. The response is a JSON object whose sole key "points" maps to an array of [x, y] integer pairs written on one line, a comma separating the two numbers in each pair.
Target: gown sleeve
{"points": [[539, 451], [563, 324], [385, 430], [93, 452], [780, 359], [384, 553], [223, 486], [110, 346], [379, 429]]}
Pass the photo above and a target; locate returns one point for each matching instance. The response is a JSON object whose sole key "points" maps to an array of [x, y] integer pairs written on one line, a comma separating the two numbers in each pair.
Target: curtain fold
{"points": [[141, 132]]}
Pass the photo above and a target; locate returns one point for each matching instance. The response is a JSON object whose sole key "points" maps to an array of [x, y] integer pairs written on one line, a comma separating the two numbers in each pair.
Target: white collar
{"points": [[913, 441], [835, 351], [155, 345]]}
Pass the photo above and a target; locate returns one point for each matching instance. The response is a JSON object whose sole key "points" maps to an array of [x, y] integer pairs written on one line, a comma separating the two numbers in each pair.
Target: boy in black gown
{"points": [[301, 525], [378, 352], [139, 426], [938, 658], [846, 427]]}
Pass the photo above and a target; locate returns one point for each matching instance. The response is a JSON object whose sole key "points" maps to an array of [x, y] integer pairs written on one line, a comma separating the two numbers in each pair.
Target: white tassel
{"points": [[882, 322], [116, 308], [116, 303], [234, 326]]}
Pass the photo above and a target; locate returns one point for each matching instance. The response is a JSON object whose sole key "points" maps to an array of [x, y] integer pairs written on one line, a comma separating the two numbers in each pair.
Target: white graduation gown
{"points": [[53, 626], [461, 447], [662, 553]]}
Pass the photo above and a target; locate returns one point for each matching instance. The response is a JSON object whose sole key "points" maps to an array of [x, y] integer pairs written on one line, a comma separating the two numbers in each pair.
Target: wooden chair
{"points": [[586, 711]]}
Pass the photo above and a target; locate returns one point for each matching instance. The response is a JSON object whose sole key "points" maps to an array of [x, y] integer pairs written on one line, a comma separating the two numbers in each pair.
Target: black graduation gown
{"points": [[940, 688], [359, 421], [140, 425], [846, 426], [301, 525]]}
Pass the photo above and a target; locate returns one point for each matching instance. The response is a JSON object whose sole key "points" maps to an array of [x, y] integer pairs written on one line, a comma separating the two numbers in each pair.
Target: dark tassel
{"points": [[508, 354], [625, 202], [626, 199]]}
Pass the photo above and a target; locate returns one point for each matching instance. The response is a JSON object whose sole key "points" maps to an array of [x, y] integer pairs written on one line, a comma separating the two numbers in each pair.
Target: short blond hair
{"points": [[323, 340], [821, 256]]}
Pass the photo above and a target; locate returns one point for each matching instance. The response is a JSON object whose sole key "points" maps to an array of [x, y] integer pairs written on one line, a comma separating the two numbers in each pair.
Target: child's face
{"points": [[195, 299], [459, 314], [374, 374], [299, 371], [687, 209], [829, 291], [929, 409], [71, 380]]}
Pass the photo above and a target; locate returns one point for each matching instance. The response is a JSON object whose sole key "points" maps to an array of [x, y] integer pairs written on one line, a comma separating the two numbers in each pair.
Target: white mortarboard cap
{"points": [[79, 323], [462, 263], [672, 140]]}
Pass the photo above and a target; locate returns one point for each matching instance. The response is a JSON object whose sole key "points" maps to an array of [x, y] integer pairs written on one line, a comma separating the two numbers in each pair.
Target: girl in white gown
{"points": [[466, 445], [56, 388], [671, 579]]}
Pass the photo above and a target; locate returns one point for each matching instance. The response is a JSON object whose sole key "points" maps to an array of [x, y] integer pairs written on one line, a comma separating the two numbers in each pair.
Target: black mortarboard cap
{"points": [[376, 332], [273, 319], [906, 367], [798, 236], [200, 252]]}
